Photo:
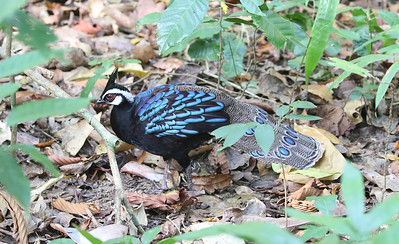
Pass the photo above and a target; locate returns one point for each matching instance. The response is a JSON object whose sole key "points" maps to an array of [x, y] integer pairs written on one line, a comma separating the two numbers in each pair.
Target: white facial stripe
{"points": [[116, 101], [129, 97]]}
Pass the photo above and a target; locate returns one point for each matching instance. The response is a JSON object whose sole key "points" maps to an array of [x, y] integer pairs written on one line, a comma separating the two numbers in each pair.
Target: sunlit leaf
{"points": [[45, 108], [13, 179], [8, 89]]}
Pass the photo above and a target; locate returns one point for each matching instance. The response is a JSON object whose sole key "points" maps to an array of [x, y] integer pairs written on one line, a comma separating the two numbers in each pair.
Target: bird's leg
{"points": [[189, 177], [166, 174]]}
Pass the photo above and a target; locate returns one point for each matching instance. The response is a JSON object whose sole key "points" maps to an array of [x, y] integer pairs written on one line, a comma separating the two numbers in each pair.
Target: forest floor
{"points": [[233, 187]]}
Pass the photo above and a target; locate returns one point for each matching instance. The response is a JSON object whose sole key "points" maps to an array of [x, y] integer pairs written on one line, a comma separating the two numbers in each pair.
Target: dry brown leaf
{"points": [[220, 159], [20, 231], [168, 64], [171, 228], [321, 91], [313, 188], [44, 144], [61, 160], [163, 202], [335, 119], [86, 27], [211, 183], [143, 51], [304, 206], [142, 170], [75, 208], [352, 109]]}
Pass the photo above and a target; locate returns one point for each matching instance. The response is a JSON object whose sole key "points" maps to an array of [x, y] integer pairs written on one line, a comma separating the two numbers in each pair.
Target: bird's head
{"points": [[115, 94]]}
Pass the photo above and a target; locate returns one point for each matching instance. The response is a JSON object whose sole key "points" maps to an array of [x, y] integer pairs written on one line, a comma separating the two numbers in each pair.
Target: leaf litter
{"points": [[236, 190]]}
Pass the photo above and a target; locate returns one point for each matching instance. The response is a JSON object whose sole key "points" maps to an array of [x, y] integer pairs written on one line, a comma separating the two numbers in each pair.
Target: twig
{"points": [[8, 46], [389, 131], [220, 47], [110, 141]]}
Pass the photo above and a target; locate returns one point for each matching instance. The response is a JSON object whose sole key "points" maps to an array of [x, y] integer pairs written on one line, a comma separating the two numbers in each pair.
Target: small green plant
{"points": [[358, 226], [38, 36]]}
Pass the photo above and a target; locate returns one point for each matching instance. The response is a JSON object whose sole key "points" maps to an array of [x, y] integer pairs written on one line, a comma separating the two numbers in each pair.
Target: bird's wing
{"points": [[170, 111]]}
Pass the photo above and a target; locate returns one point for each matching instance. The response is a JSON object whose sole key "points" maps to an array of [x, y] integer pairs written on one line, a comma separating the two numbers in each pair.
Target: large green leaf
{"points": [[386, 80], [13, 180], [264, 135], [179, 20], [252, 6], [390, 17], [8, 89], [232, 133], [256, 232], [150, 18], [353, 193], [204, 30], [32, 32], [45, 108], [349, 66], [150, 235], [320, 34], [233, 53], [21, 62], [205, 49], [37, 156], [277, 29], [8, 7]]}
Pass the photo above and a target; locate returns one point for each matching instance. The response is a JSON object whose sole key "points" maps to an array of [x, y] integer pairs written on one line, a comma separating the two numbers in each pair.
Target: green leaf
{"points": [[21, 62], [303, 104], [349, 66], [264, 135], [381, 214], [385, 82], [204, 49], [45, 108], [13, 180], [320, 34], [313, 173], [8, 7], [312, 231], [178, 21], [390, 17], [204, 30], [98, 74], [387, 236], [232, 133], [303, 117], [353, 194], [8, 89], [129, 61], [61, 241], [233, 53], [124, 240], [252, 6], [32, 32], [256, 232], [283, 110], [324, 203], [36, 156], [92, 239], [150, 18], [277, 29], [150, 235]]}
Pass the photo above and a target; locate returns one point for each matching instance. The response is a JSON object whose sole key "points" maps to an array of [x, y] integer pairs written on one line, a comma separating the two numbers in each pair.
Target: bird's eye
{"points": [[110, 97]]}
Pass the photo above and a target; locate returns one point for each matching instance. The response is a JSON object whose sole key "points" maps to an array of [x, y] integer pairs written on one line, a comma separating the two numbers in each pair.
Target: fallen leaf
{"points": [[211, 183], [75, 208], [321, 91], [352, 109], [142, 171]]}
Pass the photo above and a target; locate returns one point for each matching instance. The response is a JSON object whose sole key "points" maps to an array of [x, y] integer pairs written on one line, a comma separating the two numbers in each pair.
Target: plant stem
{"points": [[8, 47]]}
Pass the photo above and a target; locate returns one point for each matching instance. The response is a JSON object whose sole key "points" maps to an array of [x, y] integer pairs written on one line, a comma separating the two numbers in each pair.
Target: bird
{"points": [[171, 120]]}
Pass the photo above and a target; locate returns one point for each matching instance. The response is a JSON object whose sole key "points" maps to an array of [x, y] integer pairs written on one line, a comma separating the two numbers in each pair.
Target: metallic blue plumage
{"points": [[172, 112]]}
